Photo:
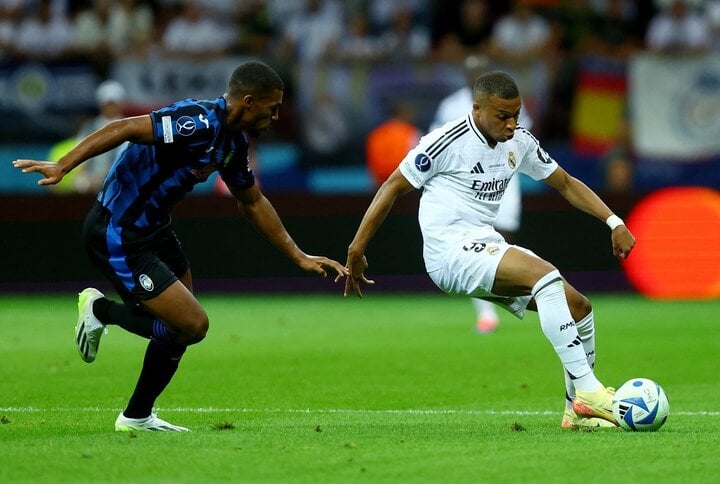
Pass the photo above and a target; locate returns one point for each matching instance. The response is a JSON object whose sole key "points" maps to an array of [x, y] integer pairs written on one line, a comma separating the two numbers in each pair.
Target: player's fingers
{"points": [[22, 163], [326, 263], [348, 287], [341, 270], [353, 285], [30, 168]]}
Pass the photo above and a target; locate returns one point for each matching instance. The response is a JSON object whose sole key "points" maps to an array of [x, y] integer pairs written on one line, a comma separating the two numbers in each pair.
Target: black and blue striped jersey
{"points": [[190, 143]]}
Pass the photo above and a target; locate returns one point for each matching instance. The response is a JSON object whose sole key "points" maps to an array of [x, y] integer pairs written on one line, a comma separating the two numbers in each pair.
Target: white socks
{"points": [[559, 328], [586, 330]]}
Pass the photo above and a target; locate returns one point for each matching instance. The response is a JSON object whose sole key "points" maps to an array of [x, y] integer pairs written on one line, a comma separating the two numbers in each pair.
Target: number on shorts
{"points": [[474, 246]]}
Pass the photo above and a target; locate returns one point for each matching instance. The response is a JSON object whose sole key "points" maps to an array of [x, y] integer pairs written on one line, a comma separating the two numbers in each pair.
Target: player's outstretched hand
{"points": [[318, 264], [50, 171], [356, 267], [623, 241]]}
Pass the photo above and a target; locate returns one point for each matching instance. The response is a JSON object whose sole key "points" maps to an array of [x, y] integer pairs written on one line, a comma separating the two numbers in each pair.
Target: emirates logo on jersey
{"points": [[511, 160], [490, 190]]}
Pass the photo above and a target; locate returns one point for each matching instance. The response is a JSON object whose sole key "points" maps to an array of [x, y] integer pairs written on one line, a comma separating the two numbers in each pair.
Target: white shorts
{"points": [[469, 269]]}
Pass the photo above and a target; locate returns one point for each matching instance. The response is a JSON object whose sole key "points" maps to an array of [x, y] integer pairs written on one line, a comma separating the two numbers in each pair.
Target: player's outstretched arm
{"points": [[583, 198], [137, 129], [262, 214], [395, 186]]}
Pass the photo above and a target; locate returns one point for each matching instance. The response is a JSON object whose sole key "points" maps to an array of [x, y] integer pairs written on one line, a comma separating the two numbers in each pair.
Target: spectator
{"points": [[43, 36], [677, 29], [523, 43], [131, 28], [573, 25], [283, 11], [91, 31], [619, 163], [469, 32], [520, 37], [309, 35], [389, 142], [406, 39], [258, 30], [10, 13], [713, 15], [357, 43], [193, 34], [89, 178], [616, 35], [382, 13]]}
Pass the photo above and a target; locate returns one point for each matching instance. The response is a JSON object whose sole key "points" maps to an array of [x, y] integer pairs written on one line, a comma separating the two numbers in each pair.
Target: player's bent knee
{"points": [[579, 304], [194, 330], [200, 329]]}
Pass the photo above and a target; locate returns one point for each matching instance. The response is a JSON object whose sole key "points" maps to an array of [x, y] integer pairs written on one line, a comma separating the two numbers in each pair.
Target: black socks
{"points": [[159, 366], [131, 318]]}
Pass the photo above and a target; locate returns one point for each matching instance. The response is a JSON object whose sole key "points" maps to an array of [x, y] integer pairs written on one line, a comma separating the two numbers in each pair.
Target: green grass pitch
{"points": [[391, 388]]}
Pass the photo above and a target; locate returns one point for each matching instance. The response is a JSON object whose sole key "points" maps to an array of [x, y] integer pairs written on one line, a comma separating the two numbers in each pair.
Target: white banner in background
{"points": [[675, 106], [159, 82]]}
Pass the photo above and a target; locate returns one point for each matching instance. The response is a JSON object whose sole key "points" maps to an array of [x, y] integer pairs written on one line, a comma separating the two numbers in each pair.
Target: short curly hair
{"points": [[495, 83], [254, 78]]}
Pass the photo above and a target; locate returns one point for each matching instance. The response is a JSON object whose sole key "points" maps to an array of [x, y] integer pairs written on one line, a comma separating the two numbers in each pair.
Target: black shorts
{"points": [[140, 268]]}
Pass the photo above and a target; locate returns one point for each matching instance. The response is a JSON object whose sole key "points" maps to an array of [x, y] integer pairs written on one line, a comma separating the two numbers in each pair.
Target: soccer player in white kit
{"points": [[464, 168], [507, 218]]}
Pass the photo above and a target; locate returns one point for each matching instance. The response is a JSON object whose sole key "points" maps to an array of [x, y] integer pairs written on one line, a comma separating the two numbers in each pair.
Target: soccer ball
{"points": [[640, 404]]}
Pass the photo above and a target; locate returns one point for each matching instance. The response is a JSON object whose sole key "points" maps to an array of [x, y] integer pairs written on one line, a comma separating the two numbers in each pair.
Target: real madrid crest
{"points": [[511, 160]]}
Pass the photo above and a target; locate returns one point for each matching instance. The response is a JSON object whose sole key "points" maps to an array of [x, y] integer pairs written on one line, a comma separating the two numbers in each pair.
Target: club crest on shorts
{"points": [[493, 249], [146, 282], [422, 162]]}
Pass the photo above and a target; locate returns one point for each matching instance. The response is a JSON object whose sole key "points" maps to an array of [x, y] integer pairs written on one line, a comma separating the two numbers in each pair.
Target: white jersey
{"points": [[457, 104], [464, 180]]}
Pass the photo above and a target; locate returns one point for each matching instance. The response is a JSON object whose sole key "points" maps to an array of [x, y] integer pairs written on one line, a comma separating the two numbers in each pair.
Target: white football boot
{"points": [[151, 423], [89, 329]]}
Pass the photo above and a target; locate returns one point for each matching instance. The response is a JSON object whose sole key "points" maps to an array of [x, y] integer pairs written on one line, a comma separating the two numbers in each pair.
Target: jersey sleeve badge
{"points": [[422, 162]]}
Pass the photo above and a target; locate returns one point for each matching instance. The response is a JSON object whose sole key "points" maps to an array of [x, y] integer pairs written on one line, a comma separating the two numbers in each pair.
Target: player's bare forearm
{"points": [[583, 198], [136, 129], [260, 212], [263, 216], [578, 194], [395, 186], [374, 216]]}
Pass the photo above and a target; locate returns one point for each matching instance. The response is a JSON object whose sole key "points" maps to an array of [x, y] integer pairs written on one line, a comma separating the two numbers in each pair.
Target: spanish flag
{"points": [[598, 111]]}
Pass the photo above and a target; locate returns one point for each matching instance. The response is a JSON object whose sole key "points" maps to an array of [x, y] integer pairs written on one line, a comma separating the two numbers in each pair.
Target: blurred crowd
{"points": [[313, 30], [290, 32], [557, 33]]}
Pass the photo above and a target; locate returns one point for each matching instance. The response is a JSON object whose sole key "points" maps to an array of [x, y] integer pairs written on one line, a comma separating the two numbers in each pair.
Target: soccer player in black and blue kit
{"points": [[128, 233]]}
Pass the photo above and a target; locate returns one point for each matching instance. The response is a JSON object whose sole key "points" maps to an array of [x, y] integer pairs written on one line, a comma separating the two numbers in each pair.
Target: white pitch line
{"points": [[322, 411]]}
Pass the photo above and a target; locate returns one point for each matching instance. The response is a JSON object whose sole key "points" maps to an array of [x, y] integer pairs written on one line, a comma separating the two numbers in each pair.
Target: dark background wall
{"points": [[42, 248]]}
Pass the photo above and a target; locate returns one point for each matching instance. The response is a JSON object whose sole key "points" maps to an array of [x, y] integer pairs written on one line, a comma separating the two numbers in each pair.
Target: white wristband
{"points": [[613, 221]]}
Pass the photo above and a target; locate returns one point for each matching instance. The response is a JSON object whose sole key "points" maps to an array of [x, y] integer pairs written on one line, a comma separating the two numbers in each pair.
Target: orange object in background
{"points": [[677, 255], [387, 144]]}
